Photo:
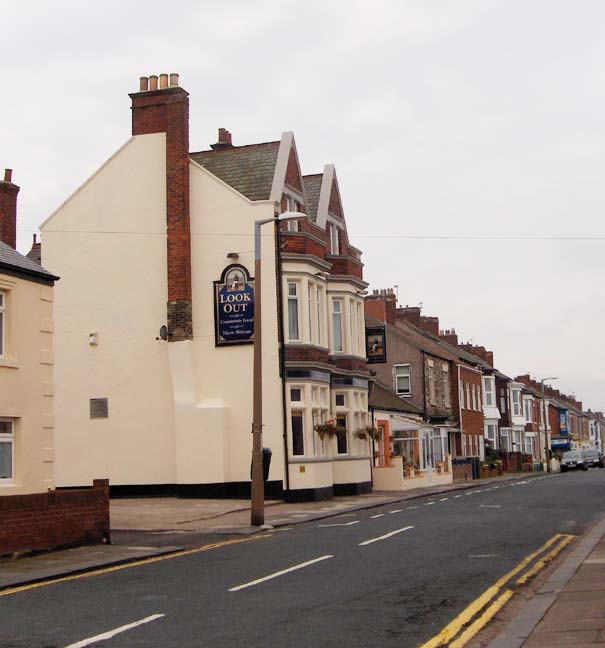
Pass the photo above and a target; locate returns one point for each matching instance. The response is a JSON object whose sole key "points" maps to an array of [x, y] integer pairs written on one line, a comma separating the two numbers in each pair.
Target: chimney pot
{"points": [[8, 175], [153, 82], [143, 84], [174, 79], [163, 81]]}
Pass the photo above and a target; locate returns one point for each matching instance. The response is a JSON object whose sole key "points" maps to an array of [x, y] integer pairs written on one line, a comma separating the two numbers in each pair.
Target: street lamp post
{"points": [[257, 507], [546, 448]]}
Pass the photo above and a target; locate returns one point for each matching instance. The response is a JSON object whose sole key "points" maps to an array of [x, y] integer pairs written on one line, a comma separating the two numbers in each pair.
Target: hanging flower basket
{"points": [[368, 432], [329, 428]]}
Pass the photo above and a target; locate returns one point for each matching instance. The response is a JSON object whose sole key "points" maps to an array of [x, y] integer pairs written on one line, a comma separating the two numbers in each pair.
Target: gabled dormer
{"points": [[288, 189]]}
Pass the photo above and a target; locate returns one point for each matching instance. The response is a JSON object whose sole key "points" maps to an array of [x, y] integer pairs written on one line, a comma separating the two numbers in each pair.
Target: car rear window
{"points": [[572, 455]]}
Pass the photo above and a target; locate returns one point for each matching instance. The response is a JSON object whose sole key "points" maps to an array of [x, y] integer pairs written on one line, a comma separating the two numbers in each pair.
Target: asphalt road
{"points": [[392, 576]]}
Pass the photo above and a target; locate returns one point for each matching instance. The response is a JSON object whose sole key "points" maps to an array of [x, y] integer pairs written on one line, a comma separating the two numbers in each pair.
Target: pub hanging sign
{"points": [[376, 346], [234, 307]]}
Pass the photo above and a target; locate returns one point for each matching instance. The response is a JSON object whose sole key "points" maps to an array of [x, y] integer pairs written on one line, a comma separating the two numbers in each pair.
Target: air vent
{"points": [[99, 408]]}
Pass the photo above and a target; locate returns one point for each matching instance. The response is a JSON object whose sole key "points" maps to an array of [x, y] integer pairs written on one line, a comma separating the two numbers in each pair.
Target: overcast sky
{"points": [[479, 118]]}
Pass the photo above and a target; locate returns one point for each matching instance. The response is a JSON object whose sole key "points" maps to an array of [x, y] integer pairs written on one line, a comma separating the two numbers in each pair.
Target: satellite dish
{"points": [[163, 333]]}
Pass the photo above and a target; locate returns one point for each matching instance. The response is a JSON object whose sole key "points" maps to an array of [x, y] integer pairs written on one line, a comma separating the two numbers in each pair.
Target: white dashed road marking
{"points": [[372, 517], [384, 537], [325, 526], [279, 573], [114, 632]]}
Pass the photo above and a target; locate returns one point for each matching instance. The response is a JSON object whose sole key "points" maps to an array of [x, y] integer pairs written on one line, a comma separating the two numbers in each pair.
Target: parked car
{"points": [[573, 461], [592, 459]]}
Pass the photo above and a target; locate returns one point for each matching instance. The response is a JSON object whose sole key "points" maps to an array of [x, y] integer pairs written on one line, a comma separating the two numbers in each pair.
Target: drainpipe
{"points": [[424, 384], [459, 403], [282, 353], [372, 446]]}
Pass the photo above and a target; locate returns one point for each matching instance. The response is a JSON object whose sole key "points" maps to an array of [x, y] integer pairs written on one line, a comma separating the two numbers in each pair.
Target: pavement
{"points": [[569, 608]]}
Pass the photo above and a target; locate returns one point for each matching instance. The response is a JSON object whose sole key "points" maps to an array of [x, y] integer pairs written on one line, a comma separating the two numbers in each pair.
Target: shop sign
{"points": [[376, 347], [234, 307]]}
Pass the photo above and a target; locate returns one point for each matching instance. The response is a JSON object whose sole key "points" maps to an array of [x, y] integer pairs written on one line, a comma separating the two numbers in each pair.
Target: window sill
{"points": [[11, 363]]}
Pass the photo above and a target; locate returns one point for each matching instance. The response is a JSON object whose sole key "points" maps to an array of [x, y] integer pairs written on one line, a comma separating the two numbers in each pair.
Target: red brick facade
{"points": [[54, 519], [8, 210], [471, 411], [167, 111]]}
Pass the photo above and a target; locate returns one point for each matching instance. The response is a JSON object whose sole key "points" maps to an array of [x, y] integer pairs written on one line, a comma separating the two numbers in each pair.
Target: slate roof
{"points": [[383, 398], [15, 263], [248, 169], [312, 189]]}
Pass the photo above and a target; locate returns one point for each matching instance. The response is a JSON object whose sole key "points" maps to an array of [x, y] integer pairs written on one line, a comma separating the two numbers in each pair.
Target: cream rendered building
{"points": [[142, 245], [26, 364]]}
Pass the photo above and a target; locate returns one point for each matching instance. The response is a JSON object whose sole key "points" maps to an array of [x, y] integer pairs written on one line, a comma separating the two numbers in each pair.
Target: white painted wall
{"points": [[179, 412], [107, 242]]}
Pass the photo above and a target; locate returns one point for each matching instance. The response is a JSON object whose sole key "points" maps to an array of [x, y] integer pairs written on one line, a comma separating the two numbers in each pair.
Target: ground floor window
{"points": [[298, 433], [504, 440], [529, 444], [7, 450], [341, 438]]}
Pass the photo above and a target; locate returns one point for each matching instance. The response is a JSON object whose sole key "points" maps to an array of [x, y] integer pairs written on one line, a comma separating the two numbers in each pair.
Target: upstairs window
{"points": [[431, 379], [528, 418], [293, 329], [445, 376], [2, 310], [403, 385], [334, 242], [516, 402], [318, 309], [488, 390], [337, 323], [292, 225]]}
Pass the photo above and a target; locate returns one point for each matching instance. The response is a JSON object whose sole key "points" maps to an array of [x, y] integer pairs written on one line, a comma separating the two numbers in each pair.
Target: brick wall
{"points": [[472, 419], [54, 519]]}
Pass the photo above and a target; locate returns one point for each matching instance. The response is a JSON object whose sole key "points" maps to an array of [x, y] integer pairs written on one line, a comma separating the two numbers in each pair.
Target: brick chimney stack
{"points": [[410, 314], [165, 109], [381, 305], [224, 140], [430, 324], [449, 336], [8, 209]]}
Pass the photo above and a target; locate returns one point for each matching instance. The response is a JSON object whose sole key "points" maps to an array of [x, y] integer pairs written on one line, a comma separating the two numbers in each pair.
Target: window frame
{"points": [[334, 240], [409, 377], [9, 439], [517, 407], [299, 414], [337, 314], [294, 299], [487, 389]]}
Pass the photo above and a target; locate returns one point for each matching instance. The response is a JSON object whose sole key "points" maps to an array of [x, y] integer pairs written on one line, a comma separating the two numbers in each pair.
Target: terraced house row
{"points": [[153, 319]]}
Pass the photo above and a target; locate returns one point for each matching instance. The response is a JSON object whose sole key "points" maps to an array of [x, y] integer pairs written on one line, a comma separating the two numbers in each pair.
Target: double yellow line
{"points": [[477, 615]]}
